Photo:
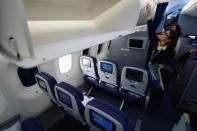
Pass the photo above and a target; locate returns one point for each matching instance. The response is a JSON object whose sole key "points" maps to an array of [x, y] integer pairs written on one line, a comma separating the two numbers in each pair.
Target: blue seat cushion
{"points": [[91, 81], [118, 70], [94, 62], [30, 125], [130, 96], [109, 109], [77, 95], [109, 88], [50, 79]]}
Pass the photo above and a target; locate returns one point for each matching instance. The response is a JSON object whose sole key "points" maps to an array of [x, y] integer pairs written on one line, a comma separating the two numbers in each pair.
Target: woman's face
{"points": [[164, 36], [173, 28]]}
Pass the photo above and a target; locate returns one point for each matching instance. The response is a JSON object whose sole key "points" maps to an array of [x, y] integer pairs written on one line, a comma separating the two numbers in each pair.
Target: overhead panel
{"points": [[40, 27]]}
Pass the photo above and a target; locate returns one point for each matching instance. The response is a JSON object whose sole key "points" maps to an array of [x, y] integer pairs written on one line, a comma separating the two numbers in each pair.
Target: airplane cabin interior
{"points": [[89, 65]]}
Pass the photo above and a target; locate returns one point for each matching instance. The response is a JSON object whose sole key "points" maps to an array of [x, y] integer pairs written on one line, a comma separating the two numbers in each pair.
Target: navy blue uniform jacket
{"points": [[161, 57]]}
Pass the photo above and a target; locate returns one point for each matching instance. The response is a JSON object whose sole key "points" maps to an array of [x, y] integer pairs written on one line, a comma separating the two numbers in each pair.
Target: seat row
{"points": [[95, 113], [131, 83]]}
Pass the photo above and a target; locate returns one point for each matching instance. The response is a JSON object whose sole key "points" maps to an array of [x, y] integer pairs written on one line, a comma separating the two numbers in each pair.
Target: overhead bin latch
{"points": [[13, 46]]}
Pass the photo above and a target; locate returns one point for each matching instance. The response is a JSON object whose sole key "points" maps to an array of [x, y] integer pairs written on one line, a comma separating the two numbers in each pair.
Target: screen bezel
{"points": [[70, 101], [144, 39], [85, 64], [98, 124], [111, 71], [38, 81], [137, 80]]}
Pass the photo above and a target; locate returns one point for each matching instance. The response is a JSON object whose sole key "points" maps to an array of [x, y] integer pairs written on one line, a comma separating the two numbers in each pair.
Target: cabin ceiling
{"points": [[76, 3]]}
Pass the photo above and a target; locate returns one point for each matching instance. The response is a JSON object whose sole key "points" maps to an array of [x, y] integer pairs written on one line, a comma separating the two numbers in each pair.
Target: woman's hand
{"points": [[193, 51], [148, 10], [160, 66]]}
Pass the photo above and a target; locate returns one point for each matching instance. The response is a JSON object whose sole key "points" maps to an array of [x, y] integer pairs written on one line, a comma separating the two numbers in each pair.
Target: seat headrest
{"points": [[45, 81], [109, 72], [102, 115], [88, 66], [71, 99], [71, 89], [133, 73], [30, 124], [134, 79]]}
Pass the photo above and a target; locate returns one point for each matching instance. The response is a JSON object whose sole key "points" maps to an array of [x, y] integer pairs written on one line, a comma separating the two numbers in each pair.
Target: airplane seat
{"points": [[185, 87], [130, 96], [30, 124], [47, 83], [184, 44], [71, 100], [134, 85], [89, 69], [101, 115], [17, 124], [109, 76]]}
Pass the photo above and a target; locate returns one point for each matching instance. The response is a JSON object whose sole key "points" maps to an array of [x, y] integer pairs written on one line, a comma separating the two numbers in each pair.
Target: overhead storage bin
{"points": [[190, 8], [36, 31]]}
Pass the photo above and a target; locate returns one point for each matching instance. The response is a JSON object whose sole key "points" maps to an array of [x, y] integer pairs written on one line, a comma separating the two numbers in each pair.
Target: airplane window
{"points": [[99, 48], [27, 76], [65, 63]]}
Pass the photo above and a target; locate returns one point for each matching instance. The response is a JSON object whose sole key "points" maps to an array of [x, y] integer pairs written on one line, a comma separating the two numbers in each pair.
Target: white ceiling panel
{"points": [[76, 3]]}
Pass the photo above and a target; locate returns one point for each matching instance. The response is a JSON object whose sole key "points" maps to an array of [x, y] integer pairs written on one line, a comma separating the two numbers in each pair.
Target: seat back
{"points": [[47, 83], [88, 66], [30, 124], [185, 91], [89, 69], [183, 45], [102, 116], [70, 99], [135, 80], [108, 72], [109, 75]]}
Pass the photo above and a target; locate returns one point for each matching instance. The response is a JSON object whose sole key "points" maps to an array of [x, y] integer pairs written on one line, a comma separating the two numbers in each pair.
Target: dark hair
{"points": [[174, 36], [178, 28]]}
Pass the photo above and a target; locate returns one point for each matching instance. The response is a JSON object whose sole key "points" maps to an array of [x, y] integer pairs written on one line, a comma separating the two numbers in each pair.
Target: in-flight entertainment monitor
{"points": [[106, 67], [194, 42], [101, 122], [42, 84], [137, 43], [64, 98], [134, 75], [86, 62]]}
